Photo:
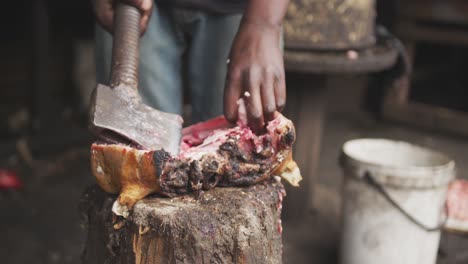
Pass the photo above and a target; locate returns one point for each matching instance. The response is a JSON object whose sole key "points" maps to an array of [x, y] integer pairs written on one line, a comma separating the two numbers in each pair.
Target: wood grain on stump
{"points": [[223, 225]]}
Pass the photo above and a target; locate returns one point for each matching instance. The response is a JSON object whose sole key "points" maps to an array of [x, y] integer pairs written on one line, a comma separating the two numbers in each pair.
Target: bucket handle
{"points": [[372, 182]]}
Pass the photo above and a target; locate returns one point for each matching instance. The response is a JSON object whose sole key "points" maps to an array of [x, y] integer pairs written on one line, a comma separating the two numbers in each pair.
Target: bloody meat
{"points": [[212, 153]]}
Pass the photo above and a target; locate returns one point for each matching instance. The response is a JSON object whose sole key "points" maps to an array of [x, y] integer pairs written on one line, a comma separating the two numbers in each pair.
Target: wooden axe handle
{"points": [[125, 50]]}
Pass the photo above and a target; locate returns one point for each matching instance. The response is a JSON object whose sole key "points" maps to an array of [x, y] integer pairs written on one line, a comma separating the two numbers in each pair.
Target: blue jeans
{"points": [[181, 48]]}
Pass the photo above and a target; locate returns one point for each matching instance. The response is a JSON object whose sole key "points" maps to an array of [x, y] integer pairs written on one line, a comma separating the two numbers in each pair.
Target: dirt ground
{"points": [[42, 224]]}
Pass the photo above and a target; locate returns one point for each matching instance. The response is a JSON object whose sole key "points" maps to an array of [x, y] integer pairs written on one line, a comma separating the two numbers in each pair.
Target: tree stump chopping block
{"points": [[223, 225]]}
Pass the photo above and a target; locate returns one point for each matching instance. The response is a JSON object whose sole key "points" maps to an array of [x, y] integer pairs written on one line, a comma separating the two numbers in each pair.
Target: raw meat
{"points": [[212, 153], [457, 199], [457, 206]]}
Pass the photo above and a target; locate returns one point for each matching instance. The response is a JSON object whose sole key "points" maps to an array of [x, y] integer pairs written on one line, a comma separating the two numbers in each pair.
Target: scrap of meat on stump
{"points": [[212, 153]]}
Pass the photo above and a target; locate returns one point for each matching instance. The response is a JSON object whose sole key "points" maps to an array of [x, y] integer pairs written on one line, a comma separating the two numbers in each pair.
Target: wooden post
{"points": [[224, 225], [306, 106]]}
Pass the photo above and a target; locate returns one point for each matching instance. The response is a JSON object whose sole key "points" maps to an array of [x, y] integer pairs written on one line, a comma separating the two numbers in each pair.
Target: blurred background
{"points": [[400, 74]]}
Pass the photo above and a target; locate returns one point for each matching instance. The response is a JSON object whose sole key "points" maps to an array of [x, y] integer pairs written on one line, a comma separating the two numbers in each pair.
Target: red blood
{"points": [[280, 227], [9, 180]]}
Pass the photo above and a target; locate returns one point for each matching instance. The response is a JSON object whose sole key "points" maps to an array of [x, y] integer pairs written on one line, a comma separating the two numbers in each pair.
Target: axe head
{"points": [[118, 115]]}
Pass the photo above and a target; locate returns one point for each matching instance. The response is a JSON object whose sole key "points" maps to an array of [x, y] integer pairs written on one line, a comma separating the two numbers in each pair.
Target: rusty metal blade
{"points": [[119, 111]]}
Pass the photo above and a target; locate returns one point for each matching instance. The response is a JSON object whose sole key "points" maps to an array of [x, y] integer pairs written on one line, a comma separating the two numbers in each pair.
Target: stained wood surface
{"points": [[305, 107], [223, 225]]}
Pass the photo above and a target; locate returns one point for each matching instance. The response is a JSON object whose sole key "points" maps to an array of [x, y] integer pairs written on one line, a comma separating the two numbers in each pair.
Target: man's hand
{"points": [[104, 12], [256, 68]]}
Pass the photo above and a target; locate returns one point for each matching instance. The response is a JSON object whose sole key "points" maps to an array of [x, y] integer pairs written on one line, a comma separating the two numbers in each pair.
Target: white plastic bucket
{"points": [[393, 202]]}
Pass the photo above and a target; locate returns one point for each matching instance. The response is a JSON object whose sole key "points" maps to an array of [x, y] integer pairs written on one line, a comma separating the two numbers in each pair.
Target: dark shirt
{"points": [[215, 6]]}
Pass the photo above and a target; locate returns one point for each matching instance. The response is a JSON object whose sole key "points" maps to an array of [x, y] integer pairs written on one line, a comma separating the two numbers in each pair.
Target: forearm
{"points": [[268, 13]]}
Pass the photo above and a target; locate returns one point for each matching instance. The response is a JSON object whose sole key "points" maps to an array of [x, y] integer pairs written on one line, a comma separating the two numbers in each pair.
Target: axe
{"points": [[117, 113]]}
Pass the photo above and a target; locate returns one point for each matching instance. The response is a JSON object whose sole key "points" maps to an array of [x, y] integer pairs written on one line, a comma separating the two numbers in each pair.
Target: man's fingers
{"points": [[251, 84], [232, 93], [107, 21], [268, 95], [280, 90], [140, 4], [146, 8], [104, 12], [144, 23]]}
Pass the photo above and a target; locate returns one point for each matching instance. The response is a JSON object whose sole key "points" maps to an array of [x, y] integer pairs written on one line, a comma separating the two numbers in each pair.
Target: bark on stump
{"points": [[224, 225]]}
